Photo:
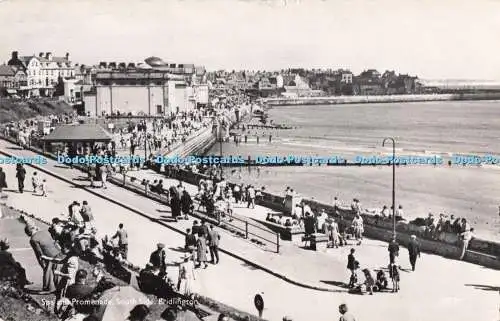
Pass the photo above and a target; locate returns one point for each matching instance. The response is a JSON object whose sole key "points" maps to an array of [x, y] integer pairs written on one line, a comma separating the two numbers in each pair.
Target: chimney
{"points": [[67, 56], [15, 55], [40, 55], [48, 55]]}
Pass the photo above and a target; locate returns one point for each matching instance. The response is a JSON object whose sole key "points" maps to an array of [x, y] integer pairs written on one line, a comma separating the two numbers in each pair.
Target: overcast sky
{"points": [[429, 38]]}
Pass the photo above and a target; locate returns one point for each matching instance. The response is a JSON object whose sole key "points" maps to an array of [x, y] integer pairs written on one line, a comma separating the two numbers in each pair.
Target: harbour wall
{"points": [[337, 100]]}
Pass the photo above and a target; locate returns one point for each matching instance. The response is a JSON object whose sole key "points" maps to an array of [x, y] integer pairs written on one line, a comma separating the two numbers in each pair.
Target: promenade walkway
{"points": [[442, 288]]}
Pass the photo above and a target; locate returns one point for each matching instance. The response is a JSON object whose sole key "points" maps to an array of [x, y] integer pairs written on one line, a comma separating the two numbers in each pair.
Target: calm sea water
{"points": [[347, 130]]}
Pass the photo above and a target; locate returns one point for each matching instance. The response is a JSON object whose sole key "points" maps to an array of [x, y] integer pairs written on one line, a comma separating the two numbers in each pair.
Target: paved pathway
{"points": [[437, 290]]}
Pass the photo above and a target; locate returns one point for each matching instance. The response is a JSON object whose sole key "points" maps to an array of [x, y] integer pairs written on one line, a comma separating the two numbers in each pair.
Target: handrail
{"points": [[137, 187]]}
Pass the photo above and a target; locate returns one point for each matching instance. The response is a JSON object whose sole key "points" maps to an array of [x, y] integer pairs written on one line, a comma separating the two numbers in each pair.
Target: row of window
{"points": [[46, 72], [13, 84]]}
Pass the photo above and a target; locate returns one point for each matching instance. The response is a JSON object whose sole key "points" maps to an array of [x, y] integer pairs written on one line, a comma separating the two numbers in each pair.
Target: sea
{"points": [[428, 129]]}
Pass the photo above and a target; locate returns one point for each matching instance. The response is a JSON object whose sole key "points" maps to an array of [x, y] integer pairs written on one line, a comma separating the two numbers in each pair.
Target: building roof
{"points": [[6, 70], [78, 133]]}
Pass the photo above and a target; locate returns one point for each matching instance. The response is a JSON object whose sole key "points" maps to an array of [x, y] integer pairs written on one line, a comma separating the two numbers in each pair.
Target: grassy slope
{"points": [[11, 110]]}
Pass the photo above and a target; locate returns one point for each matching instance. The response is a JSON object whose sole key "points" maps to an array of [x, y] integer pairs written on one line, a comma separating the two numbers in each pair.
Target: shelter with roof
{"points": [[77, 135]]}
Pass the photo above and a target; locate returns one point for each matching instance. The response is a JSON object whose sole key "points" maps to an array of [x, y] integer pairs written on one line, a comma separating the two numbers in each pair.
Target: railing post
{"points": [[277, 242], [246, 229]]}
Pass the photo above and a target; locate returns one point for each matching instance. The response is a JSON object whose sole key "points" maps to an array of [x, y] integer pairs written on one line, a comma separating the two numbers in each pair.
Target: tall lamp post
{"points": [[393, 182], [220, 138]]}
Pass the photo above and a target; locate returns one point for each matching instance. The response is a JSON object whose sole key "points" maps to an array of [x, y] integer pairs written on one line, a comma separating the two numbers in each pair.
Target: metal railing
{"points": [[245, 228]]}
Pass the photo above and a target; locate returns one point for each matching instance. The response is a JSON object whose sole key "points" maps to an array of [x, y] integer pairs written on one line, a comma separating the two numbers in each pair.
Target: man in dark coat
{"points": [[413, 251], [186, 203], [175, 206], [3, 180], [157, 259], [20, 175], [213, 243], [393, 250]]}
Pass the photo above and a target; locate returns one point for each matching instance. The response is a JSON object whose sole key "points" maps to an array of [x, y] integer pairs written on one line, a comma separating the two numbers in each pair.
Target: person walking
{"points": [[122, 236], [358, 228], [186, 276], [104, 175], [21, 176], [214, 238], [186, 204], [344, 315], [413, 251], [351, 266], [393, 249], [465, 238], [175, 205], [3, 180], [201, 247]]}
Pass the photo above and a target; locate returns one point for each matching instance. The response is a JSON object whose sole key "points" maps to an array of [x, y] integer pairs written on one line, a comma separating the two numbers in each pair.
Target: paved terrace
{"points": [[443, 288]]}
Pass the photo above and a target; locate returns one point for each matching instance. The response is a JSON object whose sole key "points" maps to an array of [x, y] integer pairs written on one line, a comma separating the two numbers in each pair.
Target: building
{"points": [[153, 88], [12, 80], [43, 72]]}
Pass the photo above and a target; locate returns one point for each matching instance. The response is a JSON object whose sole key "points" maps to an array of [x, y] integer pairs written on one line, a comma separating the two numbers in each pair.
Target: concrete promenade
{"points": [[439, 287]]}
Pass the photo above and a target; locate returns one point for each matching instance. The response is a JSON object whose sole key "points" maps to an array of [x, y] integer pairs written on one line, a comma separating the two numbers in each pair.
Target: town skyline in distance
{"points": [[429, 40]]}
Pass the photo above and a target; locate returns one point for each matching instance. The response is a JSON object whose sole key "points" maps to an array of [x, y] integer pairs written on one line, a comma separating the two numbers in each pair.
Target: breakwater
{"points": [[338, 100]]}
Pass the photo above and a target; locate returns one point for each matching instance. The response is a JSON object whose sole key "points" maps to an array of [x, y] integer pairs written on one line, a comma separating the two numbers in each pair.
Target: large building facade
{"points": [[148, 89], [43, 72]]}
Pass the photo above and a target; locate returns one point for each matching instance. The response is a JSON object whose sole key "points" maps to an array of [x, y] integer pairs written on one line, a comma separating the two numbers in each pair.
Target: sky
{"points": [[438, 39]]}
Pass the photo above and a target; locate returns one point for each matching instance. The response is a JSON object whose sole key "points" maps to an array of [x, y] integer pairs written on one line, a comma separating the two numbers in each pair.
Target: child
{"points": [[43, 188], [394, 274], [351, 266], [229, 208], [35, 182]]}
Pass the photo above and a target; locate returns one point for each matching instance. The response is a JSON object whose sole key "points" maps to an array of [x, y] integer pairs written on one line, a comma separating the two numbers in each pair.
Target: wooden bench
{"points": [[317, 241]]}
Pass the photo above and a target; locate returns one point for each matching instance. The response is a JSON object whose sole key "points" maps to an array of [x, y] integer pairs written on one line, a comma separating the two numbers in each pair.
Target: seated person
{"points": [[381, 283], [9, 268], [78, 292]]}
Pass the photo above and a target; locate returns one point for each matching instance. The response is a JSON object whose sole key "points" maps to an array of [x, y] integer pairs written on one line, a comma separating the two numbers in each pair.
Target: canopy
{"points": [[78, 133], [120, 301]]}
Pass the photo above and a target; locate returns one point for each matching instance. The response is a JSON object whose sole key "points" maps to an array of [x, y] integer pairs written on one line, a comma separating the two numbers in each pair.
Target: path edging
{"points": [[137, 211]]}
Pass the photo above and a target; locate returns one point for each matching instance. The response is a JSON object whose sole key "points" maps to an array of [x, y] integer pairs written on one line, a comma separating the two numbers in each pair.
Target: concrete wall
{"points": [[90, 104], [480, 251], [144, 99]]}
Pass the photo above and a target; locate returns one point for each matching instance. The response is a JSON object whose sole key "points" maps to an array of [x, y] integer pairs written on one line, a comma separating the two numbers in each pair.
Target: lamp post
{"points": [[220, 138], [145, 140], [393, 182]]}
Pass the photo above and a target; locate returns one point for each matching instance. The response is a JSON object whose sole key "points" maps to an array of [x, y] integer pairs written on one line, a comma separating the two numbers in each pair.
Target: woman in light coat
{"points": [[201, 246]]}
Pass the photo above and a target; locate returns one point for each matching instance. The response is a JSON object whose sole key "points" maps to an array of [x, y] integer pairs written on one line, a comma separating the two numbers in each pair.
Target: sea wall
{"points": [[480, 251], [336, 100]]}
